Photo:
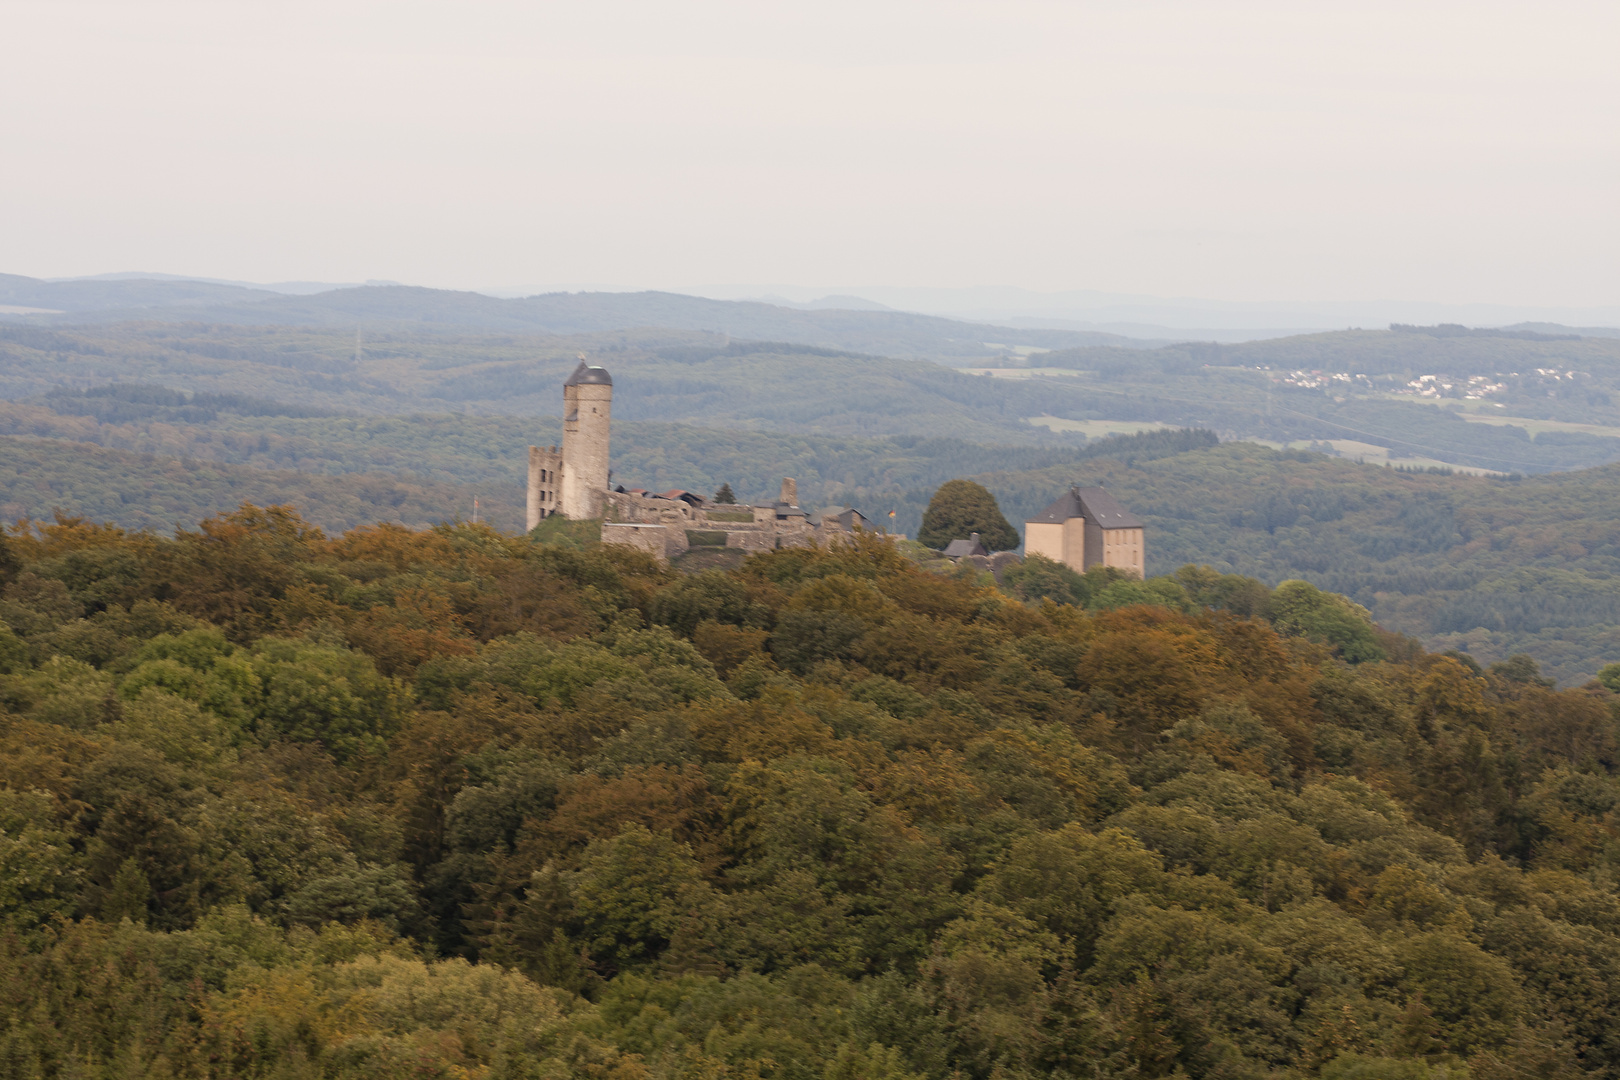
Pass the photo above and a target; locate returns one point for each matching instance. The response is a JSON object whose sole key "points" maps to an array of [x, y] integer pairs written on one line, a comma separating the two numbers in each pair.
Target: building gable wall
{"points": [[1045, 538]]}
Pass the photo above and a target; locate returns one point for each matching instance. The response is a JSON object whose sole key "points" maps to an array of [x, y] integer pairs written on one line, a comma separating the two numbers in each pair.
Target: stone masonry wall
{"points": [[545, 483], [587, 424]]}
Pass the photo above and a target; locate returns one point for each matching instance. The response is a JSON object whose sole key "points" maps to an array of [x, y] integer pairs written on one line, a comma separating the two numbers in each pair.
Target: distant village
{"points": [[1434, 386], [1083, 527]]}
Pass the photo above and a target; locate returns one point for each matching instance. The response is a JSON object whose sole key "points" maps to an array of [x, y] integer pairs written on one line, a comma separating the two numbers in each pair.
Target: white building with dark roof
{"points": [[1085, 527]]}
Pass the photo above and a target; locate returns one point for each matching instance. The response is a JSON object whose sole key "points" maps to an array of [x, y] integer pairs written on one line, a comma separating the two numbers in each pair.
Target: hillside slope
{"points": [[41, 477], [1495, 566], [713, 380], [393, 307], [163, 470], [458, 804], [79, 299], [671, 375], [1505, 400]]}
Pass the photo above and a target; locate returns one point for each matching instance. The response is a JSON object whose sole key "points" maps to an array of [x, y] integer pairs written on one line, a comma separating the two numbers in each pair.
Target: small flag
{"points": [[891, 513]]}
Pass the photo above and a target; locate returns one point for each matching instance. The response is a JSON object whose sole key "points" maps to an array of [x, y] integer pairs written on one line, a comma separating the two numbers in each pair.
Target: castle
{"points": [[574, 482], [1083, 528]]}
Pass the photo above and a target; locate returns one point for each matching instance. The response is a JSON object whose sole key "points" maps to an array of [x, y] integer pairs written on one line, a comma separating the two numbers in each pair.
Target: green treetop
{"points": [[960, 508]]}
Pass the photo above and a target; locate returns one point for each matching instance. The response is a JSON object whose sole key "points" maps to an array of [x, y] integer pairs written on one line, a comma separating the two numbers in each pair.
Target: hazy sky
{"points": [[1236, 150]]}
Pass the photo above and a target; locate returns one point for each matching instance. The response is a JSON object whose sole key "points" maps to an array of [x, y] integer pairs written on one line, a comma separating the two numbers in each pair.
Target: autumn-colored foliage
{"points": [[458, 803]]}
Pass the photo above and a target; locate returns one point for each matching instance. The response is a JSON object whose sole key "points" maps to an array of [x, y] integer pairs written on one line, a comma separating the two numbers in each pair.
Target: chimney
{"points": [[973, 538], [790, 491]]}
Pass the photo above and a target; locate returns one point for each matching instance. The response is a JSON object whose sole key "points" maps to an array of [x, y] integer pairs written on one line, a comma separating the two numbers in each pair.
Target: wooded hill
{"points": [[423, 470], [662, 375], [1490, 565], [715, 381], [1285, 390], [431, 421], [459, 804], [400, 307]]}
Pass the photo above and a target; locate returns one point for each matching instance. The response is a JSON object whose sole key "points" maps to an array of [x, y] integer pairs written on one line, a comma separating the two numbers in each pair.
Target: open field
{"points": [[1097, 429], [1021, 372], [1372, 454], [1536, 427]]}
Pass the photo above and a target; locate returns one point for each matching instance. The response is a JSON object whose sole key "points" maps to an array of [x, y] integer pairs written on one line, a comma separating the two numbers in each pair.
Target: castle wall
{"points": [[623, 506], [767, 531], [652, 539], [751, 540], [545, 484]]}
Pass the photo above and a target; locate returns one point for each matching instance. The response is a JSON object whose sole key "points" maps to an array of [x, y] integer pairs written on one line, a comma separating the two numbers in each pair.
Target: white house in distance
{"points": [[1085, 527]]}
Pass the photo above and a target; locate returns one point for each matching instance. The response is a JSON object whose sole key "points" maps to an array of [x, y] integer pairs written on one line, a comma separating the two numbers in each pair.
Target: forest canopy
{"points": [[452, 802], [418, 419]]}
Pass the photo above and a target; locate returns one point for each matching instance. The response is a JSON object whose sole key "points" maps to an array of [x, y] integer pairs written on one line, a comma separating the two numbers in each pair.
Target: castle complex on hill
{"points": [[575, 482], [1085, 527]]}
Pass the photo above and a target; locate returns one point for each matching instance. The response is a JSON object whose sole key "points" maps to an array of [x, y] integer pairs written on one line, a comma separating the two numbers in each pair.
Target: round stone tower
{"points": [[587, 407]]}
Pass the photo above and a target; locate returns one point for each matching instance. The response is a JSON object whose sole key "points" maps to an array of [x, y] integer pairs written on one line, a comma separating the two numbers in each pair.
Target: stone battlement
{"points": [[628, 515]]}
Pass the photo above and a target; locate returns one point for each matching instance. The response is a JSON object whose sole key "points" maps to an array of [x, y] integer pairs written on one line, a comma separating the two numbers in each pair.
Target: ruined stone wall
{"points": [[545, 483], [767, 531], [795, 532], [623, 506], [652, 539], [751, 540]]}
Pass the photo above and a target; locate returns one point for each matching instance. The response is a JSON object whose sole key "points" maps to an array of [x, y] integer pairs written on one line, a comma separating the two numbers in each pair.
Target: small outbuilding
{"points": [[961, 549]]}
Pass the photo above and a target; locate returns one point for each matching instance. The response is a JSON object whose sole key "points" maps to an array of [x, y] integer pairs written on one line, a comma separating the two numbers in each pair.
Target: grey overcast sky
{"points": [[1445, 151]]}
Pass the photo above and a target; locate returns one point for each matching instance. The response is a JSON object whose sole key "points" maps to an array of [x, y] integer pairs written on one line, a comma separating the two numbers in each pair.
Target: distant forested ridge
{"points": [[447, 460], [400, 307], [1496, 566], [423, 422], [667, 375], [1282, 391], [1492, 565], [460, 803]]}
